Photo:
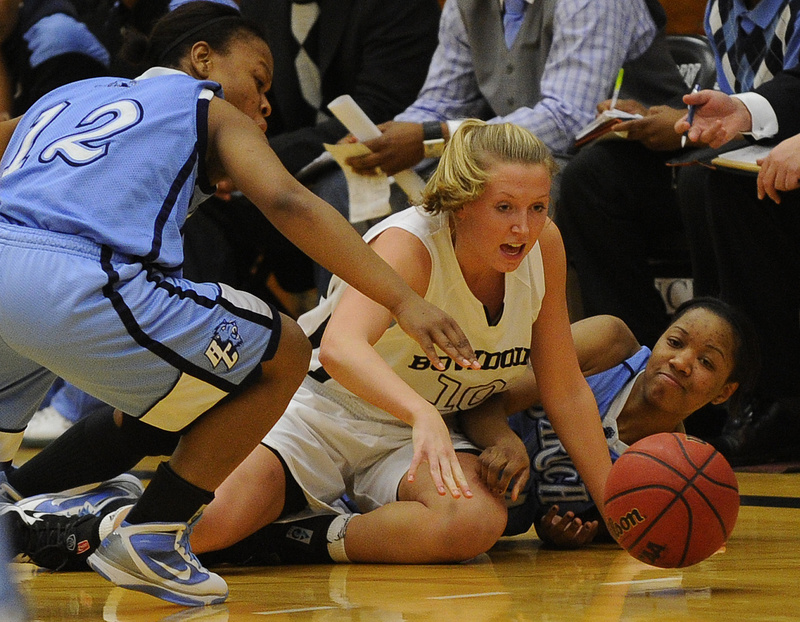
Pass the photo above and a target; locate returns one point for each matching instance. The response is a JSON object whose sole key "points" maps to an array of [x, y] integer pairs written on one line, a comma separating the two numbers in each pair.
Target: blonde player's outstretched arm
{"points": [[566, 397]]}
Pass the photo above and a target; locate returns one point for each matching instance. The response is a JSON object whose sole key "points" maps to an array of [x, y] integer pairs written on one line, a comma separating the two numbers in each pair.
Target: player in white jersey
{"points": [[381, 429], [95, 294]]}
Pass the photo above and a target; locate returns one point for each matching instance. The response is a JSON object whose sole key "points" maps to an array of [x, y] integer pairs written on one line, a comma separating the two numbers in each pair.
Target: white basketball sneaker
{"points": [[155, 558]]}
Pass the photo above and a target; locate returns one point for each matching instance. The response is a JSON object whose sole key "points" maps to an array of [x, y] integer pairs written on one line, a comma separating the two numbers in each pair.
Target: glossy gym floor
{"points": [[756, 577]]}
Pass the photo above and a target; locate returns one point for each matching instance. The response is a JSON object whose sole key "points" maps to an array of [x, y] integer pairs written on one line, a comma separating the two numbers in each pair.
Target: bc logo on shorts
{"points": [[224, 344]]}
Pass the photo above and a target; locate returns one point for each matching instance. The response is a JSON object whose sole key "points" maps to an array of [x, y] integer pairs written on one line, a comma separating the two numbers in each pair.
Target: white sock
{"points": [[336, 533]]}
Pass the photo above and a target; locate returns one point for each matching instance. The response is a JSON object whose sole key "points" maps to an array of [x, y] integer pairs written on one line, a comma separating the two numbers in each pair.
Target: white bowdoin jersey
{"points": [[502, 349]]}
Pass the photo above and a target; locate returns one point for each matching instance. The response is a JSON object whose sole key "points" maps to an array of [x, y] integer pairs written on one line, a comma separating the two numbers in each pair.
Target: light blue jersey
{"points": [[96, 184], [150, 130], [554, 478]]}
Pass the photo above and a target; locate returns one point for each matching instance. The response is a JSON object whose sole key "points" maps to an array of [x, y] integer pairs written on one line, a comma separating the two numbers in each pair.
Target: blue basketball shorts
{"points": [[158, 347]]}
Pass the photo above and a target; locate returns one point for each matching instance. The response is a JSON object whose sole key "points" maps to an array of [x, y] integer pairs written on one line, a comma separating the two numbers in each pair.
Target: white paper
{"points": [[359, 125], [603, 117], [747, 155], [368, 195]]}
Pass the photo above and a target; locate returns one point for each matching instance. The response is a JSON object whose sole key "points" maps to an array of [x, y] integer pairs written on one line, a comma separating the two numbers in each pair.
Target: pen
{"points": [[689, 117], [617, 87]]}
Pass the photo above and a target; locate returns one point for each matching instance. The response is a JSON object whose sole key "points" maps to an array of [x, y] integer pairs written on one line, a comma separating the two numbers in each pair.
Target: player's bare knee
{"points": [[469, 530]]}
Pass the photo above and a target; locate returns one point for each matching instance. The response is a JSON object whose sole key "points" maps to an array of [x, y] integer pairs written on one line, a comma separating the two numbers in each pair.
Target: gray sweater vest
{"points": [[510, 79]]}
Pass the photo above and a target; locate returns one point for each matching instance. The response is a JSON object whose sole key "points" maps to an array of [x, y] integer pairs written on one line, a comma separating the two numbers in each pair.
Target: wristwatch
{"points": [[432, 139]]}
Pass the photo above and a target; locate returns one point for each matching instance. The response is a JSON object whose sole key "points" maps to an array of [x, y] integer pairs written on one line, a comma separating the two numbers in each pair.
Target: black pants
{"points": [[757, 252], [618, 203]]}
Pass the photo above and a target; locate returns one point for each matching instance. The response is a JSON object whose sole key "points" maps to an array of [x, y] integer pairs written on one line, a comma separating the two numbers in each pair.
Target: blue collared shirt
{"points": [[592, 39]]}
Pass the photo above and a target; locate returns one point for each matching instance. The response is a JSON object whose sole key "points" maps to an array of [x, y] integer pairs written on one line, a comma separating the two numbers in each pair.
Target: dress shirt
{"points": [[592, 39], [765, 122]]}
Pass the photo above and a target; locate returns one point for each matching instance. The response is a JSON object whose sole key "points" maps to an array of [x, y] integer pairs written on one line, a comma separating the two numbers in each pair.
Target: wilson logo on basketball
{"points": [[626, 522]]}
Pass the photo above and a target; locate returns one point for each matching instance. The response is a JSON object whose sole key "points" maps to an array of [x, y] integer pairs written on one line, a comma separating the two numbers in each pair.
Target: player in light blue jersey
{"points": [[707, 355], [96, 182]]}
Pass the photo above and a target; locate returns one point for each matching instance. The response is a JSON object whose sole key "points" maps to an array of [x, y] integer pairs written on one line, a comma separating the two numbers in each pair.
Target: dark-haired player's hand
{"points": [[505, 464], [567, 531]]}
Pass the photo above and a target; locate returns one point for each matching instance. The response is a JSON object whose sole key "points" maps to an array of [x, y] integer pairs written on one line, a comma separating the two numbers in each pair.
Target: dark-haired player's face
{"points": [[691, 363], [245, 73]]}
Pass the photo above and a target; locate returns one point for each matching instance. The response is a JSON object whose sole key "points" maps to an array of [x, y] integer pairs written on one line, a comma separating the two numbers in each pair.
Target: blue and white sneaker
{"points": [[155, 558], [122, 490]]}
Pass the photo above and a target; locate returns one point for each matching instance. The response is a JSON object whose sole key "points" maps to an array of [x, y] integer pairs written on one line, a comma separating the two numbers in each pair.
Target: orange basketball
{"points": [[671, 500]]}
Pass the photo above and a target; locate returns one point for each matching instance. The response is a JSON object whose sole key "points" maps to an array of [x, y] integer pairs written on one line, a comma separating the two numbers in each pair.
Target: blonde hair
{"points": [[462, 172]]}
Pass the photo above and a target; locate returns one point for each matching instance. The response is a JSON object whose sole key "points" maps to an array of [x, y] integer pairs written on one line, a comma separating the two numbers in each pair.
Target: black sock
{"points": [[92, 450], [303, 541], [254, 550], [169, 498]]}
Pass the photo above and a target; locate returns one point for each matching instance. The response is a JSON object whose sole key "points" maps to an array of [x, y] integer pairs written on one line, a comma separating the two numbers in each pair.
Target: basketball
{"points": [[671, 500]]}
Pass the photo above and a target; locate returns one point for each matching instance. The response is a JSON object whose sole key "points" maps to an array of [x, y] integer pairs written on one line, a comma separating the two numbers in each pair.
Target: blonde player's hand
{"points": [[432, 444]]}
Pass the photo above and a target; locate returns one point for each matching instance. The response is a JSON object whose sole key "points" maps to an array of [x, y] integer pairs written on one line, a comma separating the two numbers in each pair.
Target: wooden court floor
{"points": [[756, 578]]}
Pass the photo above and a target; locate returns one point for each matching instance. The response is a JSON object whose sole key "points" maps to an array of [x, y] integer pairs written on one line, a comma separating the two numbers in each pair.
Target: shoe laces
{"points": [[52, 541], [184, 550]]}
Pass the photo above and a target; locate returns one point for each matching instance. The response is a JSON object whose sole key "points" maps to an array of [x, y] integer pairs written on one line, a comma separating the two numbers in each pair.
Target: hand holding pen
{"points": [[690, 117], [713, 118]]}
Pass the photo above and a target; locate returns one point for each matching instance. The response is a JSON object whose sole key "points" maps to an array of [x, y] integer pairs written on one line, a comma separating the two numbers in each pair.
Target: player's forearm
{"points": [[487, 424], [577, 423], [356, 365]]}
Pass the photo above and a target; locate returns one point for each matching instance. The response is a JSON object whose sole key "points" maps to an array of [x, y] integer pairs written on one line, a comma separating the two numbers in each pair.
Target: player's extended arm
{"points": [[348, 356], [239, 149], [566, 398]]}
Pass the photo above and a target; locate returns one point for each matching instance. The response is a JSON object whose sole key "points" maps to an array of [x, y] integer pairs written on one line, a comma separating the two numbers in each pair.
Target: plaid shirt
{"points": [[592, 39]]}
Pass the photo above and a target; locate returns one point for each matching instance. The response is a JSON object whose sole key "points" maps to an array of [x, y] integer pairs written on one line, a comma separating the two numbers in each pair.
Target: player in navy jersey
{"points": [[96, 181], [708, 354]]}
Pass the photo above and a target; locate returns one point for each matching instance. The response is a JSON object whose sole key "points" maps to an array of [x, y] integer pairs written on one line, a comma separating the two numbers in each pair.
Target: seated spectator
{"points": [[49, 47], [752, 226], [377, 51], [547, 76], [618, 199]]}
